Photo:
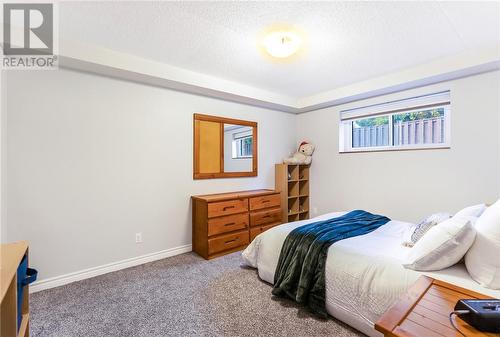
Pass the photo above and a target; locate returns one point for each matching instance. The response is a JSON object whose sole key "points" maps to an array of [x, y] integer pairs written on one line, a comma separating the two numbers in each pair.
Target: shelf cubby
{"points": [[304, 187], [304, 204], [303, 172], [293, 189], [12, 255], [293, 206], [293, 172]]}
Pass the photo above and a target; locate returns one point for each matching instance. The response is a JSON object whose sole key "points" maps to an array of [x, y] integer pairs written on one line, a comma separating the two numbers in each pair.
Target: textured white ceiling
{"points": [[347, 41]]}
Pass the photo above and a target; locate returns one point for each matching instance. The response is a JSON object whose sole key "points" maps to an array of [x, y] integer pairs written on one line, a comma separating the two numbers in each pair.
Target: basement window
{"points": [[415, 123], [242, 146]]}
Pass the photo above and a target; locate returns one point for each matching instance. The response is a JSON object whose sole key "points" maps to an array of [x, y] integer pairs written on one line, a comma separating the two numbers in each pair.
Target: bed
{"points": [[364, 275]]}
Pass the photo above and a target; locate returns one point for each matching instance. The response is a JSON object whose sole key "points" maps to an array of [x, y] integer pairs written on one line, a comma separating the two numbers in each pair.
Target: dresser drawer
{"points": [[227, 241], [265, 217], [227, 207], [254, 231], [265, 201], [227, 223]]}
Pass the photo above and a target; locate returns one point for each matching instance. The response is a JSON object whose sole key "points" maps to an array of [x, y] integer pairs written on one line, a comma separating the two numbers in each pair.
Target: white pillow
{"points": [[408, 232], [483, 259], [442, 246], [416, 232], [474, 211]]}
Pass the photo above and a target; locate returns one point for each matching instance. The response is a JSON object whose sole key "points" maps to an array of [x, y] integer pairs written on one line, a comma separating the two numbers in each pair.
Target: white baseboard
{"points": [[107, 268]]}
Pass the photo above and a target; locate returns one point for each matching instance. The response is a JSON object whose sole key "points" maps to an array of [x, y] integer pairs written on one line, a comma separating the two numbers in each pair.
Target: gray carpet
{"points": [[179, 296]]}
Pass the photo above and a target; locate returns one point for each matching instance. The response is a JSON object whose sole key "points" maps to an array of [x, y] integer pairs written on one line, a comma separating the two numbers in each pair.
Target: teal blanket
{"points": [[300, 274]]}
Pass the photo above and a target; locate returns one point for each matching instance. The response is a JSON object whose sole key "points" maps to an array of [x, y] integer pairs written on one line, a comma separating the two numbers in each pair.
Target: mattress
{"points": [[364, 274]]}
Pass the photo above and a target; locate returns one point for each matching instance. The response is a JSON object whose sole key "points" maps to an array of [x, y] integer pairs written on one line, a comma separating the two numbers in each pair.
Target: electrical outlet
{"points": [[315, 210], [138, 237]]}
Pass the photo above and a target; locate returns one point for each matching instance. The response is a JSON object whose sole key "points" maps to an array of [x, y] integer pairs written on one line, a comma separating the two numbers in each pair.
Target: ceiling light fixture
{"points": [[282, 44]]}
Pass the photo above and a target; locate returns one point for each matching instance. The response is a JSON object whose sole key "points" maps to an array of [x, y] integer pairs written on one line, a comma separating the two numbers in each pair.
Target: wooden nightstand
{"points": [[424, 312]]}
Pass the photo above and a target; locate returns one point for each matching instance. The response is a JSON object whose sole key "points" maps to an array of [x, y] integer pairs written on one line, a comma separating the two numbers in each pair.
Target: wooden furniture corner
{"points": [[11, 255], [423, 311]]}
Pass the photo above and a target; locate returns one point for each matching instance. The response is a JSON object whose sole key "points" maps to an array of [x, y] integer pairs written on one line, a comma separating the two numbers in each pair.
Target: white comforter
{"points": [[364, 274]]}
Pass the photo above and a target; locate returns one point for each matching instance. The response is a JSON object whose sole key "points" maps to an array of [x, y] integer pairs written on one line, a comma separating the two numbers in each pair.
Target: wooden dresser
{"points": [[228, 222]]}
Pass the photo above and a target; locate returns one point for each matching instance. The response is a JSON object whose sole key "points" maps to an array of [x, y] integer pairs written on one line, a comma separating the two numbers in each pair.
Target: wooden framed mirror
{"points": [[223, 147]]}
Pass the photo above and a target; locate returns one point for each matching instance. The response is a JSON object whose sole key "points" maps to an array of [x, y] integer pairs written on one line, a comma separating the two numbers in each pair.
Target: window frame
{"points": [[235, 147], [345, 131]]}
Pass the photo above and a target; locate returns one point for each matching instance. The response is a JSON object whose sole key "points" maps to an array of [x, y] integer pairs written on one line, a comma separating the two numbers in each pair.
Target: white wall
{"points": [[409, 185], [90, 161]]}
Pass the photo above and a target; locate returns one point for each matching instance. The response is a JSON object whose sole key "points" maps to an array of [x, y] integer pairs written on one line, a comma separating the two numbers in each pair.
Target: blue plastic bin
{"points": [[25, 276]]}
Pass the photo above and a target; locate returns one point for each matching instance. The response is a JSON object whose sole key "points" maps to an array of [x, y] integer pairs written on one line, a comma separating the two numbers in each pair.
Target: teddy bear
{"points": [[302, 156]]}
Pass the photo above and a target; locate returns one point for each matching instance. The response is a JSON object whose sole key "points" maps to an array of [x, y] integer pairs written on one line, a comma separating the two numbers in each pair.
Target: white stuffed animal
{"points": [[302, 156]]}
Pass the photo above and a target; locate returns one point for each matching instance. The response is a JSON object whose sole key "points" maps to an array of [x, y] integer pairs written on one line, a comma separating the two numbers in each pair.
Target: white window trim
{"points": [[238, 137], [345, 133]]}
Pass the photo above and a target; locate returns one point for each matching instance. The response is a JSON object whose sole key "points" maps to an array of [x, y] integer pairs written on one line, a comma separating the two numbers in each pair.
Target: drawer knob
{"points": [[227, 207], [230, 224], [233, 240], [266, 216], [266, 200]]}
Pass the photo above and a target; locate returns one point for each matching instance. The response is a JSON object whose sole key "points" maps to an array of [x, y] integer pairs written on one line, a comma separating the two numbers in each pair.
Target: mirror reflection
{"points": [[238, 145]]}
